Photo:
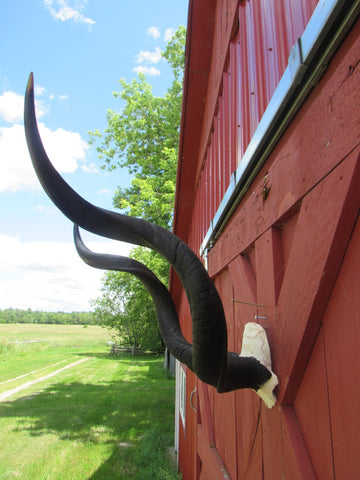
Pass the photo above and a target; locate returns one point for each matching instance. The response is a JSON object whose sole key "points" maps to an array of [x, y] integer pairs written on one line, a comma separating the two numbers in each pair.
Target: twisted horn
{"points": [[209, 357], [164, 305]]}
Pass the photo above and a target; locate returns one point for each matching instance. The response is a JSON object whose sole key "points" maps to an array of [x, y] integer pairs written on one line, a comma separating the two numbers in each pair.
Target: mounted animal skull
{"points": [[207, 356]]}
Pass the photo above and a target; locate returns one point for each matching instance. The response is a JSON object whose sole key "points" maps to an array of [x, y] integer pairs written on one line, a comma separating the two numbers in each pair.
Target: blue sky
{"points": [[78, 51]]}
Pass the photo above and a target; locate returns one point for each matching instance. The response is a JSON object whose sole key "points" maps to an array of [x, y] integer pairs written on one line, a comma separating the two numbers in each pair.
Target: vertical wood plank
{"points": [[244, 287], [225, 430], [271, 422], [342, 340], [206, 413], [212, 467], [249, 435], [325, 222], [224, 404], [269, 268], [297, 464], [248, 427], [312, 411]]}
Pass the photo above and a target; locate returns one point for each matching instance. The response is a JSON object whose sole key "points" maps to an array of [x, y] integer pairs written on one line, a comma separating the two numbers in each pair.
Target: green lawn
{"points": [[46, 345], [105, 418]]}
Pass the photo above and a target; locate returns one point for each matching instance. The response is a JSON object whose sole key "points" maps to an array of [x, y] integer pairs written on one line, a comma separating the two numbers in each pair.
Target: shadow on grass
{"points": [[126, 357], [125, 414], [151, 458]]}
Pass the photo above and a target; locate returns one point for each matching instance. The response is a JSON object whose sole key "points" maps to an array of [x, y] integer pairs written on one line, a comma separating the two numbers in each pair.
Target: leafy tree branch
{"points": [[142, 137]]}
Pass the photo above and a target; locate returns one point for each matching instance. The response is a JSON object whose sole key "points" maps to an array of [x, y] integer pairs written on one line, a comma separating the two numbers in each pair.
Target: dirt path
{"points": [[8, 393], [30, 373]]}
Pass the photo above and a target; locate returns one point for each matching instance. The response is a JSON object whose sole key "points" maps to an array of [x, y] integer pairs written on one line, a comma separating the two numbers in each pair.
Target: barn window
{"points": [[182, 395]]}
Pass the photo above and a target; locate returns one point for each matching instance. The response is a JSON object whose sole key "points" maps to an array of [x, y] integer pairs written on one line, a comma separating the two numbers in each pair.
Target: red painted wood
{"points": [[342, 340], [270, 269], [270, 273], [311, 407], [308, 283], [214, 455], [185, 318], [225, 430], [297, 462], [225, 288], [286, 252], [247, 411], [287, 228], [249, 435], [273, 450], [244, 287], [206, 414], [224, 405], [211, 462]]}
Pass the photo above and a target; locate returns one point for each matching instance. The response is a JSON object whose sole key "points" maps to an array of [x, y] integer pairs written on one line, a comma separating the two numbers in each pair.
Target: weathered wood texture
{"points": [[296, 255]]}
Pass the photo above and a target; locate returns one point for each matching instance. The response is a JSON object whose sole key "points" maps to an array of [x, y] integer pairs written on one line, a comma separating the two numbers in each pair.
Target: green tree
{"points": [[142, 137], [126, 307], [10, 315]]}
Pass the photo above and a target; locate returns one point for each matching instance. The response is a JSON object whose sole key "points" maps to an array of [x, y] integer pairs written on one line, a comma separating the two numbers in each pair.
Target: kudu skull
{"points": [[207, 356]]}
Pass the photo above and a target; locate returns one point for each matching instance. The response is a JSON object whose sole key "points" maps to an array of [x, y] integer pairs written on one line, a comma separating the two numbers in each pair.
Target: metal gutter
{"points": [[308, 60]]}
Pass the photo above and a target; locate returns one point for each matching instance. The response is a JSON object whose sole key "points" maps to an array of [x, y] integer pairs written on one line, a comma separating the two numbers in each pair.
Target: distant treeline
{"points": [[13, 315]]}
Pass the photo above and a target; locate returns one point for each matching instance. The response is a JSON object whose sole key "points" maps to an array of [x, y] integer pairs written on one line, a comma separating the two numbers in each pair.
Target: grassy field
{"points": [[103, 418], [28, 347]]}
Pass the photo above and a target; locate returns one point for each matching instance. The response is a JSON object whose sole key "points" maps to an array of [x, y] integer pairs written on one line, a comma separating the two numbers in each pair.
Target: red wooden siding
{"points": [[257, 55], [297, 253], [294, 255]]}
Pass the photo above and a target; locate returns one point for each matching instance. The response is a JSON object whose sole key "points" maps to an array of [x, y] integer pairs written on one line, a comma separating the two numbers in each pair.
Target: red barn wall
{"points": [[295, 251]]}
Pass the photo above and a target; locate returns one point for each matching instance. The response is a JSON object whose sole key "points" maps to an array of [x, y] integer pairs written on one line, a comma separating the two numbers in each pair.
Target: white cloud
{"points": [[63, 11], [151, 71], [48, 210], [33, 276], [149, 57], [16, 171], [60, 97], [12, 106], [40, 108], [153, 32], [39, 90], [90, 168], [168, 34], [64, 148], [105, 191]]}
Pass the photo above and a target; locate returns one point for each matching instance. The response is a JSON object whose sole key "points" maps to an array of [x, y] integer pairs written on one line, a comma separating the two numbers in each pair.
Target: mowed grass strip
{"points": [[106, 418], [25, 348], [24, 386]]}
